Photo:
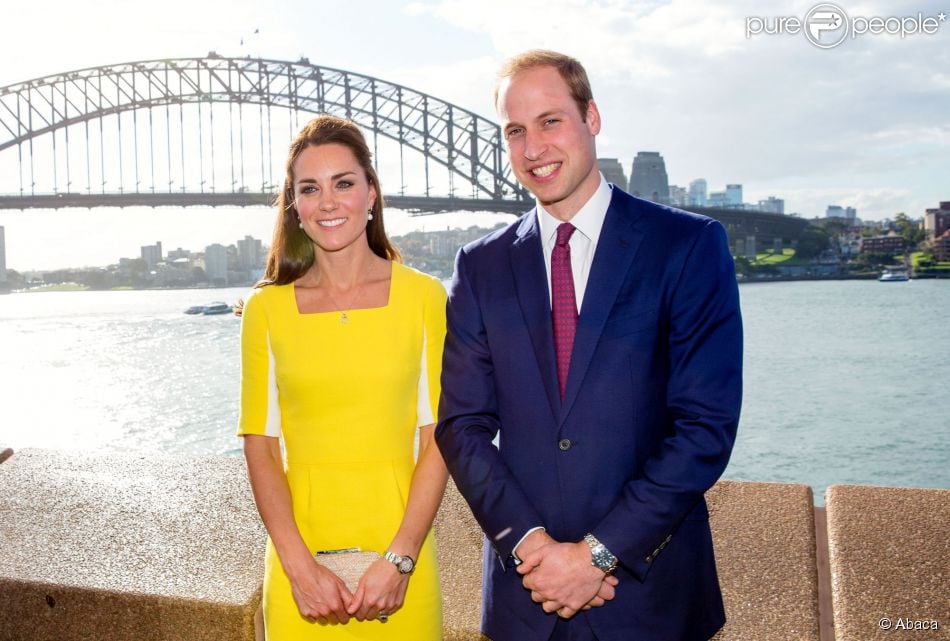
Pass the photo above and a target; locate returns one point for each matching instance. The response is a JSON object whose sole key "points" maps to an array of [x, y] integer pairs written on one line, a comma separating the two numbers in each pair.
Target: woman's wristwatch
{"points": [[403, 563], [600, 556]]}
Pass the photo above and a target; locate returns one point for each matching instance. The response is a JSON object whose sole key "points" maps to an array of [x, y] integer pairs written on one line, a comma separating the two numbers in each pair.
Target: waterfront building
{"points": [[216, 264], [152, 255], [848, 242], [3, 256], [612, 171], [937, 220], [679, 197], [250, 254], [697, 192], [177, 254], [892, 243], [734, 195], [837, 211], [772, 205], [648, 177], [718, 199], [942, 246]]}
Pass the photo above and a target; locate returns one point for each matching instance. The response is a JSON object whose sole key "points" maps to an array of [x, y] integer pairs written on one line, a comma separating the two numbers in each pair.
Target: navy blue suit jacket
{"points": [[646, 426]]}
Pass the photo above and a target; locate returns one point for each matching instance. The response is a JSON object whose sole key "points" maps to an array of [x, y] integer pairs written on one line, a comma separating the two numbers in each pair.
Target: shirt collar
{"points": [[588, 220]]}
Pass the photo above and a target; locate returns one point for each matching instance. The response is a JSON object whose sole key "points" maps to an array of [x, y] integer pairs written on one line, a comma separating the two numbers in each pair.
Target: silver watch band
{"points": [[600, 556]]}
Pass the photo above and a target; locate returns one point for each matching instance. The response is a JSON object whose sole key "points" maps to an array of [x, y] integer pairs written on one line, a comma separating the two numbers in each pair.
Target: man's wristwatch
{"points": [[600, 556], [403, 563]]}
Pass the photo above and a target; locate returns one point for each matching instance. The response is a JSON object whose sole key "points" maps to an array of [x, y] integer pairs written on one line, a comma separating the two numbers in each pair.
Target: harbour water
{"points": [[845, 381]]}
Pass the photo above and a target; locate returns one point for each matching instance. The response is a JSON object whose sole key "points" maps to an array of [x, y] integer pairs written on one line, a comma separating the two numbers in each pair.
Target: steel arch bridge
{"points": [[214, 131]]}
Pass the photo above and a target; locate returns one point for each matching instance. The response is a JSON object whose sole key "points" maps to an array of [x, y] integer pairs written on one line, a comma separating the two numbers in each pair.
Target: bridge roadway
{"points": [[755, 229], [414, 204]]}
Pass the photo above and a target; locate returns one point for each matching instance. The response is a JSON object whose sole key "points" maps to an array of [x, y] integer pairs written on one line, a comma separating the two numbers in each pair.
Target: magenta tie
{"points": [[563, 302]]}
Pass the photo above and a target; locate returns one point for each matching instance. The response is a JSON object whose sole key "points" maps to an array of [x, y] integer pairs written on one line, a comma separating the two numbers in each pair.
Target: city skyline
{"points": [[862, 125], [180, 228]]}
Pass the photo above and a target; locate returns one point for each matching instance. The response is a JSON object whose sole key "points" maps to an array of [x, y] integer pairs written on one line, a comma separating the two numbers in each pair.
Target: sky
{"points": [[864, 124]]}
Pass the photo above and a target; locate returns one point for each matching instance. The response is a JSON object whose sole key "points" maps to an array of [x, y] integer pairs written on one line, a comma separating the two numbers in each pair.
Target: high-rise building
{"points": [[679, 197], [837, 211], [152, 254], [3, 256], [216, 263], [936, 221], [612, 171], [718, 199], [697, 192], [734, 195], [176, 254], [648, 177], [941, 246], [249, 253], [772, 205]]}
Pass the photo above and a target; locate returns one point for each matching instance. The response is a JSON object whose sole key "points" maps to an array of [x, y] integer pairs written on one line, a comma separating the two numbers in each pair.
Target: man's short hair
{"points": [[570, 69]]}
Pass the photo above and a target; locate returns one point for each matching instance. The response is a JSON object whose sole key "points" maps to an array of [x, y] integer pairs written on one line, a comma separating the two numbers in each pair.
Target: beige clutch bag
{"points": [[348, 564]]}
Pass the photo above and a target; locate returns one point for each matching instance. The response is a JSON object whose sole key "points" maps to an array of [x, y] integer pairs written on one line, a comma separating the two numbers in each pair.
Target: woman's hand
{"points": [[321, 595], [381, 589]]}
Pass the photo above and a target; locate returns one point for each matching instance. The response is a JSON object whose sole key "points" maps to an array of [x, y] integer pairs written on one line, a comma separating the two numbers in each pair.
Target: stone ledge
{"points": [[111, 547], [764, 537], [128, 547], [459, 545], [48, 612], [890, 558]]}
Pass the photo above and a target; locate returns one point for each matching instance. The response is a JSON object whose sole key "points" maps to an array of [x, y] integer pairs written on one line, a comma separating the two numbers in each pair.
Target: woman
{"points": [[341, 350]]}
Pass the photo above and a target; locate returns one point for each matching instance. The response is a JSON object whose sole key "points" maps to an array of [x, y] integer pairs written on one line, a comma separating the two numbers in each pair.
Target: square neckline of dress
{"points": [[389, 298]]}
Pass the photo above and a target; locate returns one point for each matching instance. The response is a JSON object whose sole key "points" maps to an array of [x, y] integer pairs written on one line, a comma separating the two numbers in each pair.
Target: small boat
{"points": [[893, 276], [216, 307]]}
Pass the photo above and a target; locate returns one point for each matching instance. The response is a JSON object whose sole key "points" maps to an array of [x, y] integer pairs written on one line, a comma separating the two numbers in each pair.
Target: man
{"points": [[599, 338]]}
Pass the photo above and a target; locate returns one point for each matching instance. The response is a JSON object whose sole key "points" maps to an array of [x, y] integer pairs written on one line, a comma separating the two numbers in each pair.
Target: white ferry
{"points": [[893, 276]]}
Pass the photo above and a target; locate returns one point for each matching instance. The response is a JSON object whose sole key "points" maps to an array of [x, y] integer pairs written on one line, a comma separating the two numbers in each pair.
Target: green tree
{"points": [[138, 266], [835, 226], [812, 242], [15, 280], [911, 230], [743, 266], [868, 259], [97, 279]]}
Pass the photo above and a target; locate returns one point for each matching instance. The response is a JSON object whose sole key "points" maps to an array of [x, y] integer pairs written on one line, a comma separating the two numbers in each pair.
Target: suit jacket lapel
{"points": [[530, 274], [616, 249]]}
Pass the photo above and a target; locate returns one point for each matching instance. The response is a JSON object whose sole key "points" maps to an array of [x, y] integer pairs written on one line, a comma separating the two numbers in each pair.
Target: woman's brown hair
{"points": [[291, 250]]}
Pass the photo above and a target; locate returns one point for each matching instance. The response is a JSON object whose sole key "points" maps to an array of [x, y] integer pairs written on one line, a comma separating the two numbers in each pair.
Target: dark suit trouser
{"points": [[572, 630]]}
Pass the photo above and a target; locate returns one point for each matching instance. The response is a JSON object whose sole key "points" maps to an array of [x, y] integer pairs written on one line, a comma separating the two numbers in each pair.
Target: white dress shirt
{"points": [[588, 221]]}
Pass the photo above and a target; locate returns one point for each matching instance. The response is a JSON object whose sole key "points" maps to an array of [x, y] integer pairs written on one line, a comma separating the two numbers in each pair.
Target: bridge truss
{"points": [[215, 130]]}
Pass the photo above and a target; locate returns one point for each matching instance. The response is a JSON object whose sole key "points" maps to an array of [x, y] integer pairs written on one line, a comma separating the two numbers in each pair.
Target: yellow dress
{"points": [[346, 398]]}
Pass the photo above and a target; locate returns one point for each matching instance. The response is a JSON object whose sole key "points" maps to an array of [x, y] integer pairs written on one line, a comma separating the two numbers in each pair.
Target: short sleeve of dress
{"points": [[433, 339], [260, 410]]}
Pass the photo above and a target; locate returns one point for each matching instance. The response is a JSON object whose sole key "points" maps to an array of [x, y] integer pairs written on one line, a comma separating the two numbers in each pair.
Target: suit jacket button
{"points": [[564, 444]]}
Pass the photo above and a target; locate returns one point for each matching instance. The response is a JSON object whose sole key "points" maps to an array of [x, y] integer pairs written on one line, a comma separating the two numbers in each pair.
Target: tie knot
{"points": [[564, 231]]}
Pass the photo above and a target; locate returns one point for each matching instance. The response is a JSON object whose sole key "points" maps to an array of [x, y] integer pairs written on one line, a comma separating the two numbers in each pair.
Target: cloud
{"points": [[771, 112]]}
